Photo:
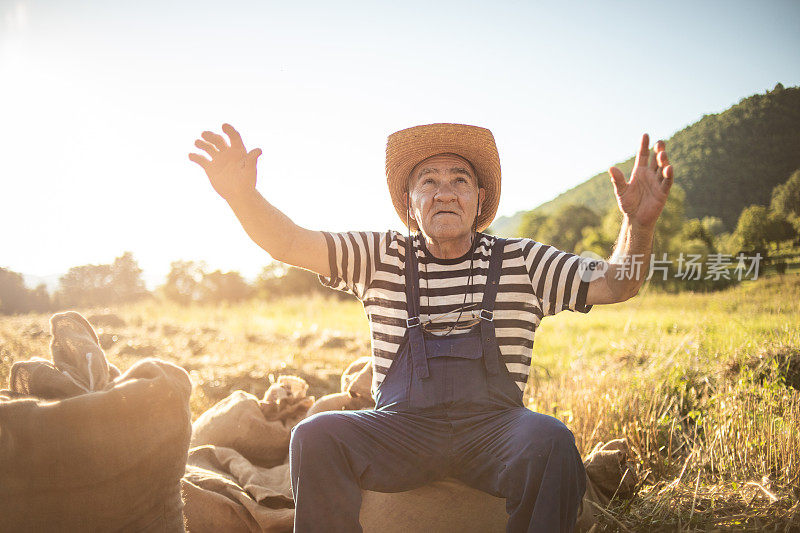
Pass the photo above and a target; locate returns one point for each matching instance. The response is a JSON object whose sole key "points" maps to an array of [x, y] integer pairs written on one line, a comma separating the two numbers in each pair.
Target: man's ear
{"points": [[408, 209], [481, 198]]}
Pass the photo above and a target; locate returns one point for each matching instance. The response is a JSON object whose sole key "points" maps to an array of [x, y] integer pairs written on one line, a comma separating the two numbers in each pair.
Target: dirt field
{"points": [[704, 386]]}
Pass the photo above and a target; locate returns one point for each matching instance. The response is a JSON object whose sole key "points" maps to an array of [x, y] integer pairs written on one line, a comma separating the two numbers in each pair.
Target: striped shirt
{"points": [[536, 280]]}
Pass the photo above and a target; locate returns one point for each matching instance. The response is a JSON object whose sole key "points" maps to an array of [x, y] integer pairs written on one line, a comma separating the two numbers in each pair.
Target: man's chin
{"points": [[446, 231]]}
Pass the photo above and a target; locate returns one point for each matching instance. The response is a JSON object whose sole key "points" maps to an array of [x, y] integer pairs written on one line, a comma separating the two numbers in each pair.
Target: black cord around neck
{"points": [[468, 289], [472, 246]]}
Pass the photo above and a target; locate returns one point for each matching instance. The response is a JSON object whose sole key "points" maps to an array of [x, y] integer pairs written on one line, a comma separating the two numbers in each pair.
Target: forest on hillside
{"points": [[771, 233], [724, 162]]}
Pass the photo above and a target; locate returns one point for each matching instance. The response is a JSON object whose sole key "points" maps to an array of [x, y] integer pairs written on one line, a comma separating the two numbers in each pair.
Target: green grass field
{"points": [[703, 386]]}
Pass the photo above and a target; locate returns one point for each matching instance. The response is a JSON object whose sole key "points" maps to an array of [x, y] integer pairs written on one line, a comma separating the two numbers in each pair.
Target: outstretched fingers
{"points": [[200, 160], [666, 183], [667, 172], [663, 161], [653, 162], [217, 140], [213, 144], [209, 148], [618, 179], [236, 139], [644, 152], [252, 156]]}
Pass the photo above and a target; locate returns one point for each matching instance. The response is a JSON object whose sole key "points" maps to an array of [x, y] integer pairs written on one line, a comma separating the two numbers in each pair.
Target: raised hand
{"points": [[643, 197], [231, 169]]}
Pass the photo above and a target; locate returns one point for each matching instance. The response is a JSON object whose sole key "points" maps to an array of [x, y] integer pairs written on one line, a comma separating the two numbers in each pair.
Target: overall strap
{"points": [[491, 351], [416, 341]]}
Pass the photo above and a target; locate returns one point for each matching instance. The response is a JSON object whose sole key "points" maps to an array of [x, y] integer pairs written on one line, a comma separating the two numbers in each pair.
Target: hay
{"points": [[779, 363]]}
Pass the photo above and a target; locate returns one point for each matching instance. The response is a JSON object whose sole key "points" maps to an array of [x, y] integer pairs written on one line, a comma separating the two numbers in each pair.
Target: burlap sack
{"points": [[339, 401], [356, 390], [76, 351], [84, 453], [357, 377], [78, 366], [609, 474], [237, 422], [450, 506], [108, 460], [39, 378], [259, 430], [224, 491], [237, 477], [286, 400], [447, 506]]}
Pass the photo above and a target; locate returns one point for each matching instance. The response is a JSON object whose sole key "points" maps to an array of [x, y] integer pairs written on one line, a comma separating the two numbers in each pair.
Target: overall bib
{"points": [[448, 407], [455, 371]]}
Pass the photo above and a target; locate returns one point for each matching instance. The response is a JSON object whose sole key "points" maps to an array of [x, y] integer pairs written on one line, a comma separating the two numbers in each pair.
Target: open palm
{"points": [[643, 197], [231, 169]]}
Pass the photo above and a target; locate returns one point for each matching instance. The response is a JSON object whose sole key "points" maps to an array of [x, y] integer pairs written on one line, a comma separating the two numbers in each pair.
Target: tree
{"points": [[780, 229], [189, 282], [184, 280], [563, 229], [713, 226], [597, 241], [39, 299], [221, 286], [531, 224], [85, 286], [757, 227], [670, 222], [278, 280], [12, 292], [126, 279], [15, 297], [565, 226], [786, 199], [696, 230], [752, 226], [90, 285]]}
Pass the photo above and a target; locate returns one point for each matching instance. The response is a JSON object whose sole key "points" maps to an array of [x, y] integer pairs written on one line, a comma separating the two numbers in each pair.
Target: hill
{"points": [[724, 162]]}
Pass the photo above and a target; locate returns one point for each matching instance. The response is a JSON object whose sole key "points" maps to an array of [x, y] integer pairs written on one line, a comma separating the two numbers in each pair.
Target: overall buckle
{"points": [[485, 314], [412, 322]]}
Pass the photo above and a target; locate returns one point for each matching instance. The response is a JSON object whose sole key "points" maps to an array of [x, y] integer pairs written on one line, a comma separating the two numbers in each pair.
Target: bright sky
{"points": [[100, 103]]}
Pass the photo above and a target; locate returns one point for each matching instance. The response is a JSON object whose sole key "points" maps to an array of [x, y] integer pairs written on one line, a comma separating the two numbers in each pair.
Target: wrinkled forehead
{"points": [[444, 159]]}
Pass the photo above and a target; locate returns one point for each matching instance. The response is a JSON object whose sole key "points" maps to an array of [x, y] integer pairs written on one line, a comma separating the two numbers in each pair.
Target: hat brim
{"points": [[406, 148]]}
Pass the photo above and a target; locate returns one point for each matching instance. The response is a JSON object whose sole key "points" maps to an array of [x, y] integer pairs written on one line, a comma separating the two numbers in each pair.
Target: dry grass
{"points": [[704, 386]]}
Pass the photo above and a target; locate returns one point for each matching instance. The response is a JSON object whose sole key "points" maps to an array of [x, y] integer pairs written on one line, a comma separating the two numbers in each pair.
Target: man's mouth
{"points": [[445, 213]]}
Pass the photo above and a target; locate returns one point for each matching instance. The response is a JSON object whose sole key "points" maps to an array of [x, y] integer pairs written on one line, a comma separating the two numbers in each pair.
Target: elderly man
{"points": [[453, 313]]}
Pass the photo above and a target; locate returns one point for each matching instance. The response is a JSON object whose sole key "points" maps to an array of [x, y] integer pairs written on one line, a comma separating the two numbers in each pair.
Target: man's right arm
{"points": [[281, 238], [232, 172]]}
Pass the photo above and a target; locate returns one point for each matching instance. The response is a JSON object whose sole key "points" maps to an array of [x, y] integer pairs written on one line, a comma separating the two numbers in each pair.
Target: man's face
{"points": [[445, 196]]}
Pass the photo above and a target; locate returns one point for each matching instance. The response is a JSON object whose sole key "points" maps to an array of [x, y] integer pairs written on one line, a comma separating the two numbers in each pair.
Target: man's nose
{"points": [[445, 193]]}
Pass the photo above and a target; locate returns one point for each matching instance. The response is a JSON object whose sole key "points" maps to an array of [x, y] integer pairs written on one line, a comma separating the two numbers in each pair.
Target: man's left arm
{"points": [[641, 201]]}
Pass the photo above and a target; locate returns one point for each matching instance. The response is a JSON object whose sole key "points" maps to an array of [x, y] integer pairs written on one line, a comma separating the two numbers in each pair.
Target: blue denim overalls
{"points": [[447, 408], [461, 370]]}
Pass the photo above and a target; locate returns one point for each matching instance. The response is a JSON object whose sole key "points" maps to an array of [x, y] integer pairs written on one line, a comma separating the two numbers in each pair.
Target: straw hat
{"points": [[406, 148]]}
